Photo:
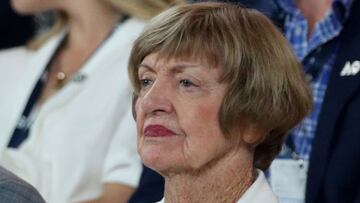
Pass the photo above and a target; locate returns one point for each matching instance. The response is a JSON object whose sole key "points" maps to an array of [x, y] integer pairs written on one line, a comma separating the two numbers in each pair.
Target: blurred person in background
{"points": [[66, 122], [321, 159]]}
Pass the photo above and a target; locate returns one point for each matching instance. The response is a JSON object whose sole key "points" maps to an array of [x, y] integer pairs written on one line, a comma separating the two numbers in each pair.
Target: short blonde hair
{"points": [[266, 87], [141, 9]]}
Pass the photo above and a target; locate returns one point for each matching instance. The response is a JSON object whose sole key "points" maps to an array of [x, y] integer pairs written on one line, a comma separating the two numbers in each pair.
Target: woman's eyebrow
{"points": [[174, 68], [146, 66], [182, 66]]}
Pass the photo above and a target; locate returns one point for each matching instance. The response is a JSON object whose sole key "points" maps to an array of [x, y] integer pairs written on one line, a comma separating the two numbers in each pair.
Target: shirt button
{"points": [[298, 31]]}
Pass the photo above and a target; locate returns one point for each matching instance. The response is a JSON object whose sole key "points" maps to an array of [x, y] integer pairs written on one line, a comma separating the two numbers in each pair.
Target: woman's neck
{"points": [[90, 24], [223, 181]]}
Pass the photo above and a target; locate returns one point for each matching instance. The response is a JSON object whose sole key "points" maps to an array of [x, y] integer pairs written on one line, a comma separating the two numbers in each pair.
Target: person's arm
{"points": [[114, 193]]}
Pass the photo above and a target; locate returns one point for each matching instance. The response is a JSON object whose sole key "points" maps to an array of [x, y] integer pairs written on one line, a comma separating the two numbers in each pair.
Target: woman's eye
{"points": [[187, 83], [145, 82]]}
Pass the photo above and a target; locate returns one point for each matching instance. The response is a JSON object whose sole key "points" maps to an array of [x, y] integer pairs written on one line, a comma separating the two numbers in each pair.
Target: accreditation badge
{"points": [[288, 179]]}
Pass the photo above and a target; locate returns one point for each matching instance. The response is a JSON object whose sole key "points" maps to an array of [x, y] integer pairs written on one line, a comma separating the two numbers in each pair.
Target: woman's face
{"points": [[178, 114]]}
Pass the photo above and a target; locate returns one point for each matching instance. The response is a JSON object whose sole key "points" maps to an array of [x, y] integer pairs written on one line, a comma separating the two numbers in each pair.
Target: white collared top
{"points": [[84, 135]]}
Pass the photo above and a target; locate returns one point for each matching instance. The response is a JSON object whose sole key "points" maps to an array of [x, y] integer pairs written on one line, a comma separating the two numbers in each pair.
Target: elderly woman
{"points": [[217, 88], [65, 124]]}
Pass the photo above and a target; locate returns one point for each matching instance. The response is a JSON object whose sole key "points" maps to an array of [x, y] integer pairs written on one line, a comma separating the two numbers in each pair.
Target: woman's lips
{"points": [[157, 131]]}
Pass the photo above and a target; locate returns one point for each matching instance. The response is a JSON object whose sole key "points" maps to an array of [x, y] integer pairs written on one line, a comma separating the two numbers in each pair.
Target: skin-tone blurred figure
{"points": [[79, 135], [214, 98], [89, 23]]}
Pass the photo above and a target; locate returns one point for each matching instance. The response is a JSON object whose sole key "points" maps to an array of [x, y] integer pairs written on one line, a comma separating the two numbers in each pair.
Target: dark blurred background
{"points": [[15, 30]]}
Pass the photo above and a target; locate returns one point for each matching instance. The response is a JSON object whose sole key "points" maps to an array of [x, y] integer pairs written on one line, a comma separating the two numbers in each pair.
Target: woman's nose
{"points": [[158, 99]]}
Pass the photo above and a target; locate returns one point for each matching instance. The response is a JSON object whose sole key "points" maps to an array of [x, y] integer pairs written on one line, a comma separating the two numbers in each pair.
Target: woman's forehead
{"points": [[178, 61]]}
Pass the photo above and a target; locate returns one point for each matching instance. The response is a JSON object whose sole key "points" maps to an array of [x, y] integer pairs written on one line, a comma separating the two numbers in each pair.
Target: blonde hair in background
{"points": [[141, 9], [144, 9]]}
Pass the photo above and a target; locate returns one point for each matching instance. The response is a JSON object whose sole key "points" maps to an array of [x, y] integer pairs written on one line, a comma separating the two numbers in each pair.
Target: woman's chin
{"points": [[155, 159]]}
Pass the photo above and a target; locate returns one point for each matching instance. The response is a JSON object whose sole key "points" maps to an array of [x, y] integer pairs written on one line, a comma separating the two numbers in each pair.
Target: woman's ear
{"points": [[248, 134], [253, 134]]}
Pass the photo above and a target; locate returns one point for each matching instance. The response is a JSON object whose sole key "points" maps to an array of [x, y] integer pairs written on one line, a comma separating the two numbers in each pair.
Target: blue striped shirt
{"points": [[306, 48]]}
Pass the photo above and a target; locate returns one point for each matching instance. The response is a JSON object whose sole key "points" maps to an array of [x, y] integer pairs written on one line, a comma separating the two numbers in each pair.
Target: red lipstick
{"points": [[157, 131]]}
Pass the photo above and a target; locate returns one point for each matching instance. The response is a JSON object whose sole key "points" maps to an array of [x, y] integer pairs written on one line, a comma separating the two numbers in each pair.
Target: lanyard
{"points": [[21, 131]]}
